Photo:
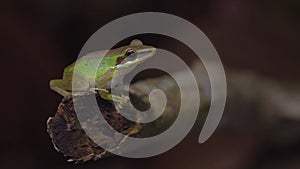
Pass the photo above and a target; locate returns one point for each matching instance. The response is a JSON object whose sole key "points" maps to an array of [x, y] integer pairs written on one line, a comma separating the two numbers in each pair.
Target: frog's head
{"points": [[126, 58], [134, 54]]}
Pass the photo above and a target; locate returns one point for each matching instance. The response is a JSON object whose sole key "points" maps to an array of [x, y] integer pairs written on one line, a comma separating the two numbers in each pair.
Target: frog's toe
{"points": [[120, 99]]}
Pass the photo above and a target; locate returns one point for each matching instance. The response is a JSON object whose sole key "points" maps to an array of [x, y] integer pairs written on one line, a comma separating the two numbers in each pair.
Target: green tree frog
{"points": [[113, 67]]}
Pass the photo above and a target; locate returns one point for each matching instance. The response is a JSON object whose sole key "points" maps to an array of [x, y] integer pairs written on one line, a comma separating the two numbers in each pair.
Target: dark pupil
{"points": [[131, 53]]}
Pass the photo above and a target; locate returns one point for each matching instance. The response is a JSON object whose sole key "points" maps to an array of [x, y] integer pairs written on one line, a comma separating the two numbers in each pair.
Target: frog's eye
{"points": [[131, 54]]}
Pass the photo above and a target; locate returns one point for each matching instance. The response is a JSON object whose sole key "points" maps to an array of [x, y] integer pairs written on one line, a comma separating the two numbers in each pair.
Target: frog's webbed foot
{"points": [[99, 90], [111, 97], [120, 99]]}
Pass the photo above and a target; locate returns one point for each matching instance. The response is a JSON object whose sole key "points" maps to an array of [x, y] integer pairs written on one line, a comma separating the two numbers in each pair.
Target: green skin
{"points": [[114, 65]]}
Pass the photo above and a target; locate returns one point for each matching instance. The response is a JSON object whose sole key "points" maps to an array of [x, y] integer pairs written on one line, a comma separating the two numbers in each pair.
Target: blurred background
{"points": [[40, 38]]}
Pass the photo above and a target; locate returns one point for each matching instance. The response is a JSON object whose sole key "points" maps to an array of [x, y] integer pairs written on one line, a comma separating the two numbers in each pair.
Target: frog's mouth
{"points": [[143, 55]]}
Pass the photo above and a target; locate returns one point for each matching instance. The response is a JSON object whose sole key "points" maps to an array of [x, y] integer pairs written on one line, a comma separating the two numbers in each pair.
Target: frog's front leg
{"points": [[103, 87], [107, 95], [115, 98]]}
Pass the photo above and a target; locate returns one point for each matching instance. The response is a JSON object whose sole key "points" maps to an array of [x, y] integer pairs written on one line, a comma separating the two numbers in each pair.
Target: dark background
{"points": [[40, 38]]}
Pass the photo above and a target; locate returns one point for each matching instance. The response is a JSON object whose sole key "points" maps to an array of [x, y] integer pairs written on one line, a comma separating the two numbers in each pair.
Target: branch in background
{"points": [[253, 104]]}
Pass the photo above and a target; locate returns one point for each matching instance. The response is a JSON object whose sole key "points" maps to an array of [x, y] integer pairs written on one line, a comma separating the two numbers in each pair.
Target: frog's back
{"points": [[87, 64]]}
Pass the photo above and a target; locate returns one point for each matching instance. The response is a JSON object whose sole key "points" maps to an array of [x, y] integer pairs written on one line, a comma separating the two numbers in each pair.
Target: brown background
{"points": [[39, 38]]}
